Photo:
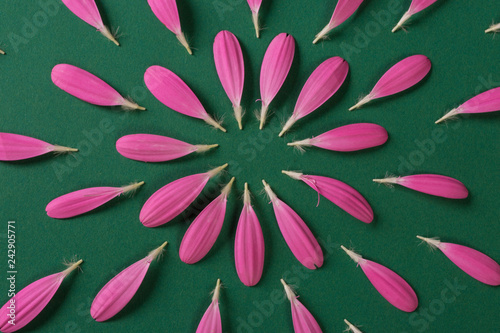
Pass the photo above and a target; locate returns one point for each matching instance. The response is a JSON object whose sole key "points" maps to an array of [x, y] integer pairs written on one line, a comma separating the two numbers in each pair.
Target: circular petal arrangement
{"points": [[172, 199]]}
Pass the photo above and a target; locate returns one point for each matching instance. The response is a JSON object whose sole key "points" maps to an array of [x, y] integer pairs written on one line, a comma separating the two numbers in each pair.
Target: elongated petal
{"points": [[351, 327], [343, 10], [156, 148], [275, 67], [441, 186], [249, 244], [319, 87], [15, 147], [31, 300], [166, 11], [339, 193], [113, 297], [471, 261], [169, 89], [83, 201], [303, 320], [211, 321], [230, 68], [415, 7], [493, 28], [297, 235], [87, 11], [88, 87], [488, 101], [170, 200], [403, 75], [389, 284], [347, 138], [203, 232], [255, 7]]}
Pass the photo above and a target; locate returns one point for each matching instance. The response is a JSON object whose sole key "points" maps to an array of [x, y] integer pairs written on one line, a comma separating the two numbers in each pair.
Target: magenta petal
{"points": [[173, 198], [297, 235], [31, 300], [343, 10], [15, 147], [152, 148], [303, 320], [87, 11], [476, 264], [203, 232], [254, 5], [275, 67], [249, 245], [211, 321], [169, 89], [88, 87], [116, 294], [319, 87], [230, 68], [415, 7], [441, 186], [342, 195]]}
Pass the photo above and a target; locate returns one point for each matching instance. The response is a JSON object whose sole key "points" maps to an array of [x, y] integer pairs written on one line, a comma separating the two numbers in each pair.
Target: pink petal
{"points": [[31, 300], [347, 138], [389, 284], [88, 87], [254, 5], [403, 75], [230, 68], [319, 87], [249, 245], [169, 89], [275, 67], [297, 235], [155, 148], [418, 5], [116, 294], [211, 321], [203, 232], [343, 10], [441, 186], [173, 198], [87, 11], [166, 11], [488, 101], [476, 264], [339, 193], [15, 147], [303, 320], [83, 201]]}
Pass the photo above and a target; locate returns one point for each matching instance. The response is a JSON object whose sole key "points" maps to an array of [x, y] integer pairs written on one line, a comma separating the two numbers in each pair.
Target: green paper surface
{"points": [[37, 35]]}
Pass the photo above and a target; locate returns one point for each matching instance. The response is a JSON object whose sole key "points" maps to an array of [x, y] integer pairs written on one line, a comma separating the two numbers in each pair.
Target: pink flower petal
{"points": [[249, 245], [415, 7], [203, 232], [83, 201], [275, 67], [116, 294], [351, 327], [173, 198], [156, 148], [211, 321], [31, 300], [476, 264], [339, 193], [169, 89], [88, 87], [441, 186], [297, 235], [166, 11], [303, 320], [488, 101], [254, 7], [15, 147], [347, 138], [87, 11], [343, 10], [319, 87], [230, 68], [403, 75], [389, 284]]}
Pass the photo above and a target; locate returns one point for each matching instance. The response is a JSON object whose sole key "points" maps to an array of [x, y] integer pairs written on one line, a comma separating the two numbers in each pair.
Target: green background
{"points": [[174, 295]]}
